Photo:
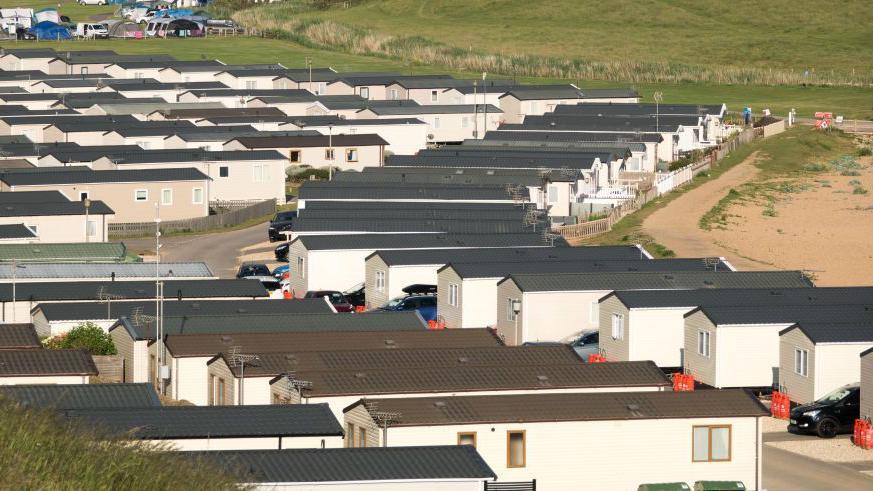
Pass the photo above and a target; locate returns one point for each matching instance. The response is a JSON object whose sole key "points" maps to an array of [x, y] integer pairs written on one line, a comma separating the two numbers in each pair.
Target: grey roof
{"points": [[102, 176], [419, 241], [520, 255], [488, 269], [16, 231], [45, 362], [395, 206], [314, 190], [512, 225], [51, 119], [54, 208], [180, 422], [324, 121], [167, 63], [657, 281], [627, 109], [82, 396], [453, 175], [538, 92], [432, 109], [221, 68], [744, 296], [446, 83], [617, 124], [275, 323], [826, 333], [461, 378], [106, 271], [786, 314], [149, 84], [603, 406], [503, 160], [461, 462], [472, 212], [64, 252], [174, 308], [18, 336], [556, 146], [193, 155], [225, 133], [244, 92], [91, 290], [311, 141], [609, 93], [208, 112]]}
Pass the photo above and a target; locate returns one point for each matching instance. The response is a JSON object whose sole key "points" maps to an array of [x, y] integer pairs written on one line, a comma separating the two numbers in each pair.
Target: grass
{"points": [[773, 35], [76, 12], [40, 451]]}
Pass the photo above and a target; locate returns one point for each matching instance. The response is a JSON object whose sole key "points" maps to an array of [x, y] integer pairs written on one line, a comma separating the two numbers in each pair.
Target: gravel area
{"points": [[773, 425], [832, 450]]}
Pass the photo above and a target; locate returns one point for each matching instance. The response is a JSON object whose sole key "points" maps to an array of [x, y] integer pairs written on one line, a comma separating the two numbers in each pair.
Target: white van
{"points": [[91, 31], [93, 2]]}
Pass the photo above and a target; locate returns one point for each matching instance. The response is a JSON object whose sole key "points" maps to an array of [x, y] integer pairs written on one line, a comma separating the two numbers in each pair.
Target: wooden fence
{"points": [[235, 213], [593, 228]]}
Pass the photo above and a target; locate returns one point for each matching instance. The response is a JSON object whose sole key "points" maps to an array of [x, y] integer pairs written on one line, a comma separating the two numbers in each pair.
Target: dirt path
{"points": [[676, 225]]}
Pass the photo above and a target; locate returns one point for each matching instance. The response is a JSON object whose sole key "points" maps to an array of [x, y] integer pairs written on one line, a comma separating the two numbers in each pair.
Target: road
{"points": [[220, 250], [786, 471]]}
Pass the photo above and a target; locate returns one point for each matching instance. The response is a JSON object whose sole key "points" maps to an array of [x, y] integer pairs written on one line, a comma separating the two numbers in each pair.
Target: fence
{"points": [[238, 212], [663, 184], [511, 485]]}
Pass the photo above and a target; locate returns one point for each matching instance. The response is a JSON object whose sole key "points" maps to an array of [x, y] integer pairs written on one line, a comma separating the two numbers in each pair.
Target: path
{"points": [[786, 471], [221, 251], [676, 225]]}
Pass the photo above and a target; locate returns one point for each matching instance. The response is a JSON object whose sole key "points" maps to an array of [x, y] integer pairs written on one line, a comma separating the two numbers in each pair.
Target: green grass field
{"points": [[785, 34], [76, 12]]}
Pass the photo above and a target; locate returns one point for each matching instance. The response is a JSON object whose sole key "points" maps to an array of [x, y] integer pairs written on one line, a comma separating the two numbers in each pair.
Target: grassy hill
{"points": [[774, 42], [38, 451]]}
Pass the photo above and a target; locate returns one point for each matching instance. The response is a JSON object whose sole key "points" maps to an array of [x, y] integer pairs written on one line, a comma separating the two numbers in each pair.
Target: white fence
{"points": [[666, 182]]}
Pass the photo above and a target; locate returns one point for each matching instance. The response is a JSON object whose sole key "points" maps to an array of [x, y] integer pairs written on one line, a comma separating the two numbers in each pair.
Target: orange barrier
{"points": [[436, 325], [863, 434], [286, 294], [596, 358], [780, 405], [683, 382], [360, 308]]}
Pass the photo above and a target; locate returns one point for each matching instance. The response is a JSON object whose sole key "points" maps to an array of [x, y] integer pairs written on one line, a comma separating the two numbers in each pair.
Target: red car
{"points": [[337, 299]]}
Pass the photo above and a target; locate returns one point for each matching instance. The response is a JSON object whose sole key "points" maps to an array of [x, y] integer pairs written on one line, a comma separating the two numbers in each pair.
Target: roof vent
{"points": [[291, 357], [226, 339], [360, 375], [241, 311], [634, 409], [708, 282], [439, 404], [389, 342], [195, 306], [668, 277], [463, 359]]}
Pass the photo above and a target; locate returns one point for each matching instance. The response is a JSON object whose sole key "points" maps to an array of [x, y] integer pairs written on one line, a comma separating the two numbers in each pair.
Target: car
{"points": [[280, 222], [356, 295], [337, 299], [281, 252], [588, 343], [254, 270], [93, 2], [832, 414], [280, 271], [426, 305]]}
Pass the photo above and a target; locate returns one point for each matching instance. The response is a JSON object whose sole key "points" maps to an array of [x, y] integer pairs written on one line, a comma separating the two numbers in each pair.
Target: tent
{"points": [[50, 31], [184, 28], [47, 14], [121, 29]]}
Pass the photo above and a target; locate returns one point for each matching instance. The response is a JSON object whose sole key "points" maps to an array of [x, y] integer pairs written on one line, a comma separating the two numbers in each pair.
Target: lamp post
{"points": [[484, 105], [15, 267], [330, 152], [658, 97], [87, 204], [159, 334]]}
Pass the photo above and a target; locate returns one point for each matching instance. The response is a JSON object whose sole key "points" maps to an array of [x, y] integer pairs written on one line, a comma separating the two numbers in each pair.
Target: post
{"points": [[87, 203], [14, 268], [158, 331], [484, 105], [309, 65], [330, 150], [242, 380], [475, 109]]}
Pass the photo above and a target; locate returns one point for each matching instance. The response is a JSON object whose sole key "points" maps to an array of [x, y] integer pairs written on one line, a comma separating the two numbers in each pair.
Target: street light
{"points": [[87, 203], [516, 309], [330, 152], [15, 268], [484, 104]]}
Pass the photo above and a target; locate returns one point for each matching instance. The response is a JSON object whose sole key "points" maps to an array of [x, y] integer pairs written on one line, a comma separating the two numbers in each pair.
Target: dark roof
{"points": [[64, 252], [351, 464], [221, 68], [482, 378], [214, 324], [101, 176], [272, 364], [536, 92], [311, 141], [167, 63], [193, 155], [419, 241], [174, 308], [16, 231], [90, 290], [657, 281], [827, 333], [313, 190], [397, 225], [744, 296], [454, 175], [502, 160], [609, 93], [181, 345], [179, 422], [487, 269], [82, 396], [54, 208], [786, 314], [18, 336], [432, 109], [148, 84], [602, 406], [245, 92], [514, 254], [44, 362], [464, 211], [628, 109], [619, 124], [221, 112]]}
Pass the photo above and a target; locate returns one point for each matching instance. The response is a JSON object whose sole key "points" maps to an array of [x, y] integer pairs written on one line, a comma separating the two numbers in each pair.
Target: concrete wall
{"points": [[554, 450]]}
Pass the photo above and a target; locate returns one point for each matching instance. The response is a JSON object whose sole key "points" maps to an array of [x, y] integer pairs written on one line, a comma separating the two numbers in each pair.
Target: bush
{"points": [[859, 190], [304, 173], [88, 336], [865, 152]]}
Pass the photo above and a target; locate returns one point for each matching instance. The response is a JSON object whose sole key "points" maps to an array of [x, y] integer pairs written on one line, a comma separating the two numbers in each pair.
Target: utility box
{"points": [[665, 486], [719, 486]]}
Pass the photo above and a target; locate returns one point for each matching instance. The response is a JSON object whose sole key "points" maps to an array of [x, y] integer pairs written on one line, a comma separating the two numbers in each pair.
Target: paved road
{"points": [[219, 250], [786, 471]]}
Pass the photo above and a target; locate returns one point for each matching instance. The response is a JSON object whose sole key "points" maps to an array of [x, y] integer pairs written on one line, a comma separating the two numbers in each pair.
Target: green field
{"points": [[76, 12], [784, 34]]}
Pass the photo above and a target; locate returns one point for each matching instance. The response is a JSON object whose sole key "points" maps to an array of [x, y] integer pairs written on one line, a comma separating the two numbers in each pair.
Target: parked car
{"points": [[281, 222], [280, 271], [588, 343], [356, 296], [832, 414], [425, 304], [93, 2], [254, 270], [91, 31], [337, 299], [281, 252]]}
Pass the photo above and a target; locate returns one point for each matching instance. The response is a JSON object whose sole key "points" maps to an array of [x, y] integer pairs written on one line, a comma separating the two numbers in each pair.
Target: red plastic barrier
{"points": [[596, 358], [780, 405], [286, 294], [683, 382], [360, 308], [856, 432], [436, 325]]}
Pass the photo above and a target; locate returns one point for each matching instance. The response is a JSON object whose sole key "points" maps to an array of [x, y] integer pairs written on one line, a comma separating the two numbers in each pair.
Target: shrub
{"points": [[859, 190], [865, 151], [86, 336]]}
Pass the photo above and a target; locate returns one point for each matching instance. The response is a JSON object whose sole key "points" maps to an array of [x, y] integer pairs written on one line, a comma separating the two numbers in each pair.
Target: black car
{"points": [[281, 222], [281, 252], [356, 296], [832, 414], [254, 270]]}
